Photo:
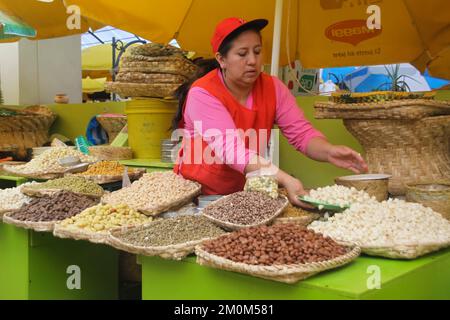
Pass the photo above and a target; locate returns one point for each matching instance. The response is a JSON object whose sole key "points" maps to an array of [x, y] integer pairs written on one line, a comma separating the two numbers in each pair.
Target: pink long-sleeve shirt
{"points": [[217, 127]]}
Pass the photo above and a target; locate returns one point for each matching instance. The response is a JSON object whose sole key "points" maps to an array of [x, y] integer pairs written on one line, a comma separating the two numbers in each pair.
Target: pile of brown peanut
{"points": [[279, 244]]}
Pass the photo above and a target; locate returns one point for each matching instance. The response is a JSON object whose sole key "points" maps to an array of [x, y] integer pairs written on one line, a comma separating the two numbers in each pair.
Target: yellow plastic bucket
{"points": [[149, 122]]}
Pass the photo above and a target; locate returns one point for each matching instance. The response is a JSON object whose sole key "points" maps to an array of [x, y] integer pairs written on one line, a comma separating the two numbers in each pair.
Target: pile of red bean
{"points": [[275, 245]]}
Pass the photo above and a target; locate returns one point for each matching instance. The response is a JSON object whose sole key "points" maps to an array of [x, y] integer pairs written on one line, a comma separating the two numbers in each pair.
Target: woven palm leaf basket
{"points": [[28, 128], [408, 139]]}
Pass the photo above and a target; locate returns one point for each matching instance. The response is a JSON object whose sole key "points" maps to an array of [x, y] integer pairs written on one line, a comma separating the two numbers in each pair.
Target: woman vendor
{"points": [[231, 104]]}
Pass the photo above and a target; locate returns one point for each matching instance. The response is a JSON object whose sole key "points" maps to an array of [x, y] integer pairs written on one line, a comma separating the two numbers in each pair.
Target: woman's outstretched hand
{"points": [[346, 158]]}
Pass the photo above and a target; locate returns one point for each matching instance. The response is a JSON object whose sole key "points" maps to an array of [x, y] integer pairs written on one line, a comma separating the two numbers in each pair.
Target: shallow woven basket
{"points": [[46, 226], [112, 125], [136, 90], [397, 109], [234, 226], [437, 198], [80, 234], [27, 130], [31, 192], [173, 252], [156, 209], [103, 153], [281, 273], [301, 221], [102, 179], [37, 175], [399, 251], [412, 151]]}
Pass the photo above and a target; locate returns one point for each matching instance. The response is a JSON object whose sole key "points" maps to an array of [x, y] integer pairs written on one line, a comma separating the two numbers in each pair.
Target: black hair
{"points": [[204, 67]]}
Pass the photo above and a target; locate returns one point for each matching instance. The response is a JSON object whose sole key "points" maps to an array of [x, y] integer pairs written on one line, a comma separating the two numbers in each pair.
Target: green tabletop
{"points": [[424, 278]]}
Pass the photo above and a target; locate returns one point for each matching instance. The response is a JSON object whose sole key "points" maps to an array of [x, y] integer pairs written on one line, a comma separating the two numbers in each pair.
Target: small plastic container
{"points": [[262, 181]]}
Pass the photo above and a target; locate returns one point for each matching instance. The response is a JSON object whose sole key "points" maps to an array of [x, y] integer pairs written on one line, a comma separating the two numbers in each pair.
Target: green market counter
{"points": [[424, 278], [36, 265]]}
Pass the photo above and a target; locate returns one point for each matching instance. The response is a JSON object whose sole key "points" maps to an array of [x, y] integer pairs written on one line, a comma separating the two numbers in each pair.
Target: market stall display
{"points": [[94, 223], [109, 171], [283, 252], [22, 129], [152, 70], [42, 213], [245, 209], [12, 199], [171, 238], [155, 193], [74, 184], [47, 165], [393, 228]]}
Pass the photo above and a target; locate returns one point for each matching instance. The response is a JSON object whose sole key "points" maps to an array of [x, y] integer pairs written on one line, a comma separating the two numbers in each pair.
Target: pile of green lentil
{"points": [[171, 231], [71, 183]]}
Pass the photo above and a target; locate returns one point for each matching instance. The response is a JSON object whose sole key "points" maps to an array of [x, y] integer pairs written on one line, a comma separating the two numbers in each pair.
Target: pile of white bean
{"points": [[47, 162], [153, 189], [12, 198], [340, 195], [391, 222]]}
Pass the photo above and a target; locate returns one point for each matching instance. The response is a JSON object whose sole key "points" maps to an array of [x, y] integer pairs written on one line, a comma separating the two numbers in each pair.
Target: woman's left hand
{"points": [[346, 158]]}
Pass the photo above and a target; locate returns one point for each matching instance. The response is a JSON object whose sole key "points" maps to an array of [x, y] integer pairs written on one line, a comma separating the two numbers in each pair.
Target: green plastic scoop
{"points": [[323, 205]]}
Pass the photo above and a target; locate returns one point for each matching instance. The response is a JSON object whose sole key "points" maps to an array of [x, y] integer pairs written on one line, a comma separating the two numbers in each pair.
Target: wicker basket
{"points": [[112, 125], [37, 193], [397, 109], [281, 273], [139, 77], [80, 234], [28, 129], [108, 153], [171, 65], [412, 151], [398, 251], [137, 90], [173, 252], [301, 221], [39, 226], [433, 195], [154, 49], [156, 208], [102, 179], [234, 226]]}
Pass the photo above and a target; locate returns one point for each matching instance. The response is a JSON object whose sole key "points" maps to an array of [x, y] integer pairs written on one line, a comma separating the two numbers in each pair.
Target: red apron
{"points": [[220, 178]]}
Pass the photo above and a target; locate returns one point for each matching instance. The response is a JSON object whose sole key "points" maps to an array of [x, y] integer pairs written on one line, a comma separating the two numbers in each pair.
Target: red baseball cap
{"points": [[232, 26]]}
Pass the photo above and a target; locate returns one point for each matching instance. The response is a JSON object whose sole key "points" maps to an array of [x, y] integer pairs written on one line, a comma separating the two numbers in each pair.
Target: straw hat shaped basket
{"points": [[408, 139]]}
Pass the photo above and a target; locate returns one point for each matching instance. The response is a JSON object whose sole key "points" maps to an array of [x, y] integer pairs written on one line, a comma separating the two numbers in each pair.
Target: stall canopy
{"points": [[49, 19], [11, 27], [325, 33]]}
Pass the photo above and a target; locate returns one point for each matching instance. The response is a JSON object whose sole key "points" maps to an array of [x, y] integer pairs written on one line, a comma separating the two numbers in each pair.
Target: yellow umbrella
{"points": [[322, 33], [93, 85], [99, 57], [49, 19]]}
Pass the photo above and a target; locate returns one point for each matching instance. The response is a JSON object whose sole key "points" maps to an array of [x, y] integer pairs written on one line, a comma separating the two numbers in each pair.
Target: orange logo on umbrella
{"points": [[351, 31]]}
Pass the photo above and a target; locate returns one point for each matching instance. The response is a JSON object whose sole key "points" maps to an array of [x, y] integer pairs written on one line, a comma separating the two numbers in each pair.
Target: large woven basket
{"points": [[397, 109], [140, 77], [80, 234], [112, 125], [28, 129], [173, 65], [136, 90], [412, 151], [281, 273]]}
